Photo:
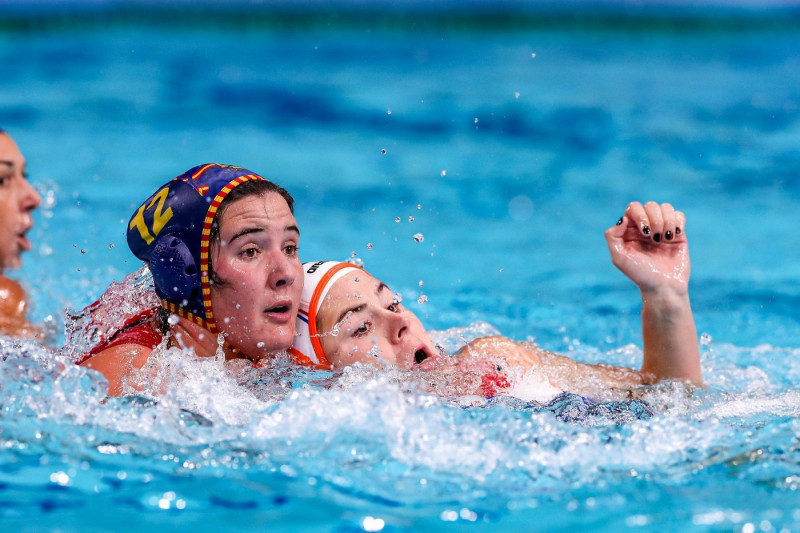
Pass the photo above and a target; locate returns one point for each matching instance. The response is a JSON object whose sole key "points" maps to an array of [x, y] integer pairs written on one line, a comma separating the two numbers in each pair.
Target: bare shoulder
{"points": [[13, 302], [118, 364], [13, 310], [505, 349]]}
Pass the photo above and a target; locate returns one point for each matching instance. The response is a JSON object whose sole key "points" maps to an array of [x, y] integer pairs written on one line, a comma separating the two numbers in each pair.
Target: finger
{"points": [[637, 216], [669, 220], [656, 220], [680, 224]]}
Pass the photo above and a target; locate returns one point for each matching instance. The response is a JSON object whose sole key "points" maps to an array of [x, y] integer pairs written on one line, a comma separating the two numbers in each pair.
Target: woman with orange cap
{"points": [[347, 316]]}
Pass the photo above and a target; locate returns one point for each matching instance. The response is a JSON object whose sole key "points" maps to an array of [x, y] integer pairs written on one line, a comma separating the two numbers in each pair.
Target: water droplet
{"points": [[476, 120], [521, 208], [260, 345], [369, 246], [419, 206], [397, 298], [353, 253], [422, 300], [110, 246], [173, 319], [705, 339], [83, 251], [533, 55], [374, 352], [421, 283], [410, 218], [372, 524], [516, 94], [397, 219], [443, 173], [389, 111], [383, 151], [419, 237], [357, 261]]}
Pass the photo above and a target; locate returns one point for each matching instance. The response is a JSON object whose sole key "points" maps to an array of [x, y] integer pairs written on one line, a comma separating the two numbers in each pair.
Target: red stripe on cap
{"points": [[205, 244]]}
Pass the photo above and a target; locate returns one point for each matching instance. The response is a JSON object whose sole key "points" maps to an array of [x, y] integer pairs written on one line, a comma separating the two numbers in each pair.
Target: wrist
{"points": [[666, 299]]}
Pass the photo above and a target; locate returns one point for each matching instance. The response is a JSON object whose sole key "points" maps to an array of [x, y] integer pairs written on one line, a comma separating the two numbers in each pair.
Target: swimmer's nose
{"points": [[30, 197], [282, 273], [398, 324]]}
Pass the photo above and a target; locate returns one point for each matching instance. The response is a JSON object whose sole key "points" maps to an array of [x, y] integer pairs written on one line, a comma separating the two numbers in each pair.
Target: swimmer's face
{"points": [[17, 201], [256, 260], [361, 320]]}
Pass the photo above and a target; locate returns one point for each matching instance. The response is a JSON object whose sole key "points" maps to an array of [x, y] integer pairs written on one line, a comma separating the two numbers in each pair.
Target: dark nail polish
{"points": [[619, 221], [677, 231], [646, 229], [668, 235], [657, 237]]}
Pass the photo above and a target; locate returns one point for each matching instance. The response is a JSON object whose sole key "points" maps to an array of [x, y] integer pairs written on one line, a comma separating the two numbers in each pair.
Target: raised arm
{"points": [[649, 246]]}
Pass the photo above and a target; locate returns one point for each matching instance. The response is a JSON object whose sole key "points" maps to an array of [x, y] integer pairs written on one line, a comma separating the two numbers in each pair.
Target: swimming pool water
{"points": [[510, 148]]}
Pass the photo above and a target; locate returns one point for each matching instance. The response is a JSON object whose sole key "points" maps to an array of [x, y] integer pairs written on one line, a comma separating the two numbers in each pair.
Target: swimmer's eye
{"points": [[4, 180], [394, 307], [249, 253], [291, 250], [362, 330]]}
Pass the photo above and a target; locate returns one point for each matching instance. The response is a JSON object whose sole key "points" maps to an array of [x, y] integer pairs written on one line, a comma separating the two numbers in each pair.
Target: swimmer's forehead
{"points": [[10, 156], [346, 296], [252, 214], [355, 281]]}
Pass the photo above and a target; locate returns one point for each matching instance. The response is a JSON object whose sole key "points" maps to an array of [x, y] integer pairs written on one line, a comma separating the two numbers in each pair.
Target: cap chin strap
{"points": [[191, 317]]}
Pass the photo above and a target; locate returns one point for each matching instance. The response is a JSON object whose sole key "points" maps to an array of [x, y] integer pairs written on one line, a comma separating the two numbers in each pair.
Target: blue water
{"points": [[513, 145]]}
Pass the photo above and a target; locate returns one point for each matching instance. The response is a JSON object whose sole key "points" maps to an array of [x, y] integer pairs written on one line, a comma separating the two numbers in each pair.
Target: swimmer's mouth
{"points": [[281, 310], [420, 356]]}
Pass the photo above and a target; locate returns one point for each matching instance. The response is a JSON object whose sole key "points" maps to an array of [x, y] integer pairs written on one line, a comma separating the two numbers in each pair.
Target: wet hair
{"points": [[250, 188]]}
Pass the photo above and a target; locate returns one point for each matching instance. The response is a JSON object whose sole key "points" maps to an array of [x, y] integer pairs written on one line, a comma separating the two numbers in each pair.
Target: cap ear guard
{"points": [[175, 274]]}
